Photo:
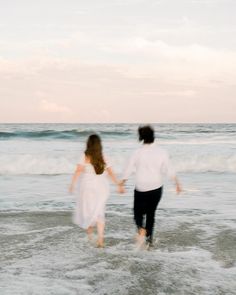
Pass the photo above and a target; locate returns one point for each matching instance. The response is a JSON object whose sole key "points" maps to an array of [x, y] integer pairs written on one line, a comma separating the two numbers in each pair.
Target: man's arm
{"points": [[170, 172], [177, 185]]}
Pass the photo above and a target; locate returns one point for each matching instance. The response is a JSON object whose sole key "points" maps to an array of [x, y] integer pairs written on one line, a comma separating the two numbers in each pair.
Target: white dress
{"points": [[91, 193]]}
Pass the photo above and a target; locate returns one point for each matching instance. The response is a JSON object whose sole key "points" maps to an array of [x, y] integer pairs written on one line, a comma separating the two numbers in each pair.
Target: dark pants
{"points": [[145, 204]]}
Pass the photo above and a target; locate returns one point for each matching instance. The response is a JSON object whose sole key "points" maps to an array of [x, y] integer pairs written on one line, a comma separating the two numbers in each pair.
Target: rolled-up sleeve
{"points": [[130, 167]]}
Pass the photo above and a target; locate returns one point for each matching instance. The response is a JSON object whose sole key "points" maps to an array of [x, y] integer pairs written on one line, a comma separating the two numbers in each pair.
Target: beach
{"points": [[43, 252]]}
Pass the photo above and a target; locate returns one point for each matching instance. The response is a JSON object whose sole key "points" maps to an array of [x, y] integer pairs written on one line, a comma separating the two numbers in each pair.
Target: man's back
{"points": [[150, 163]]}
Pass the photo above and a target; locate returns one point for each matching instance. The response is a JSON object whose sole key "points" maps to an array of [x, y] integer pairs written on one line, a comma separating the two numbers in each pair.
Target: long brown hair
{"points": [[94, 153]]}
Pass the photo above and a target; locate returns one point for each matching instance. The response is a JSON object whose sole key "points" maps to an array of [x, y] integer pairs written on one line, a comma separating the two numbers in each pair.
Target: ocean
{"points": [[43, 252]]}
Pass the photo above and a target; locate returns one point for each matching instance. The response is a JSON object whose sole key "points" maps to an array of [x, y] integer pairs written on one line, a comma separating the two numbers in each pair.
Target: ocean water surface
{"points": [[42, 252]]}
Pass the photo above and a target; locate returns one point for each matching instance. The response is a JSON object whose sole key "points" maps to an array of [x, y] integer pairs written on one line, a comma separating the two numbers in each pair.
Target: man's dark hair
{"points": [[146, 133]]}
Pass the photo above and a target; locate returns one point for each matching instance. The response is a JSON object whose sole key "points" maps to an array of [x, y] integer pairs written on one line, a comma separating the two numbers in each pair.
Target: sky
{"points": [[118, 61]]}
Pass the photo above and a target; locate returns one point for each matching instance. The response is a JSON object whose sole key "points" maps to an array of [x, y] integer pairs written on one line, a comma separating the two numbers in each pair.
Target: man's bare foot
{"points": [[142, 232], [140, 239]]}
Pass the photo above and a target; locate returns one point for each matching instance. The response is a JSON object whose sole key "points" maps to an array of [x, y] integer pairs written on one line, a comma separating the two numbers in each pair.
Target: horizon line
{"points": [[134, 123]]}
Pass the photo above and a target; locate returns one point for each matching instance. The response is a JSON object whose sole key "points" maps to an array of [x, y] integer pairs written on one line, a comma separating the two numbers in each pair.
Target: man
{"points": [[149, 163]]}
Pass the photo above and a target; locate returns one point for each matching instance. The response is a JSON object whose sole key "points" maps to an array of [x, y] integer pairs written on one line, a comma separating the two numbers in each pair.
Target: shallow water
{"points": [[42, 252], [48, 255]]}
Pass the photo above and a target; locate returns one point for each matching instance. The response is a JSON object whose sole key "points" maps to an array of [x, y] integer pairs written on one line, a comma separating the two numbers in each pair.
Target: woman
{"points": [[149, 163], [92, 189]]}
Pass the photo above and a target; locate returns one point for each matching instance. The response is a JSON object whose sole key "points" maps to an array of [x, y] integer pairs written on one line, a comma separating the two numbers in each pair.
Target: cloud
{"points": [[52, 107], [101, 115], [66, 90], [184, 93], [192, 65], [193, 62], [210, 2], [160, 49]]}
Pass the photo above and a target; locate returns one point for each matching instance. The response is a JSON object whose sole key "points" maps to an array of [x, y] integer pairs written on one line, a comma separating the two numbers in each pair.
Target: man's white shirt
{"points": [[151, 164]]}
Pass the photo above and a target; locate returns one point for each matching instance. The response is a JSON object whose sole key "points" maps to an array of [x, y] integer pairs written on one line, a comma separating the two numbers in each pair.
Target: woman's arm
{"points": [[112, 175], [115, 180], [76, 175]]}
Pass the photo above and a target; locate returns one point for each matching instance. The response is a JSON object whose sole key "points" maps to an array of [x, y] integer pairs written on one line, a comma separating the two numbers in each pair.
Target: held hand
{"points": [[71, 189], [178, 189], [121, 189]]}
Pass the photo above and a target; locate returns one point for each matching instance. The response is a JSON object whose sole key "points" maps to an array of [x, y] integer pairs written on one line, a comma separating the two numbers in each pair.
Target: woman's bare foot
{"points": [[100, 243]]}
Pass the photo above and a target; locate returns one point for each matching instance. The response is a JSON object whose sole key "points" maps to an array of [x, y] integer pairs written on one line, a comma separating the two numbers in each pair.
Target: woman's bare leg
{"points": [[89, 232], [100, 230]]}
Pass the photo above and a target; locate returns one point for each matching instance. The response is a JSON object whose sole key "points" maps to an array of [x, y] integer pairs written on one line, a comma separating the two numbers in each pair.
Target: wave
{"points": [[48, 165], [200, 164], [73, 135], [205, 131], [64, 134], [73, 131]]}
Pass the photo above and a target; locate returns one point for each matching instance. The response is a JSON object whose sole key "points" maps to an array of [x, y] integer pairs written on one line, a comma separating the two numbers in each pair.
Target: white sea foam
{"points": [[47, 164], [35, 164], [206, 163], [74, 268]]}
